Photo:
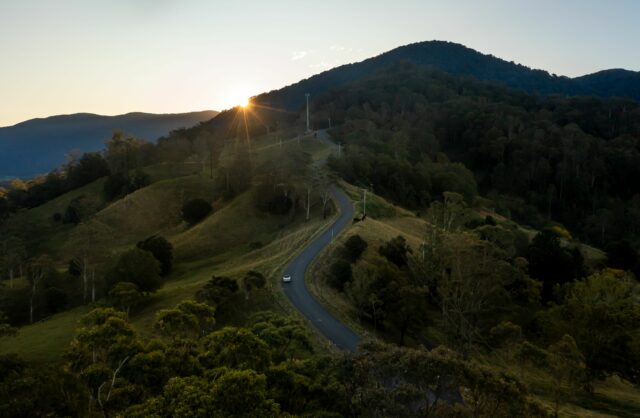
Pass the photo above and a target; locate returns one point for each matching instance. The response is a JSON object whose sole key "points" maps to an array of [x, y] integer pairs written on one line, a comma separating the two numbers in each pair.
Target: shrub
{"points": [[396, 250], [161, 249], [339, 274], [195, 210], [138, 267], [353, 248]]}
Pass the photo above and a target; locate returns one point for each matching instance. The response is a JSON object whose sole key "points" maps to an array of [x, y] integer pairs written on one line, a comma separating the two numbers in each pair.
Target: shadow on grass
{"points": [[604, 404]]}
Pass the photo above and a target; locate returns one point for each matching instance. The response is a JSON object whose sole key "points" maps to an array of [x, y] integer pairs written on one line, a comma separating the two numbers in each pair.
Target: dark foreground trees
{"points": [[266, 369]]}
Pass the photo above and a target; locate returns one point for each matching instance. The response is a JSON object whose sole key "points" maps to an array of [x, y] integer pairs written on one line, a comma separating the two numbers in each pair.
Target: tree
{"points": [[138, 267], [218, 290], [252, 280], [285, 336], [396, 251], [195, 210], [470, 286], [236, 348], [406, 306], [236, 393], [176, 324], [236, 173], [118, 185], [99, 352], [14, 253], [528, 353], [339, 274], [203, 313], [353, 248], [91, 166], [243, 393], [124, 153], [79, 209], [603, 314], [552, 264], [37, 271], [125, 295], [90, 238], [161, 249], [6, 330], [566, 365]]}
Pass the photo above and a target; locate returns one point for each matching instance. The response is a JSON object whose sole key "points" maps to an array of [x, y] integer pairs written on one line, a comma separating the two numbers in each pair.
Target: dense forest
{"points": [[415, 133]]}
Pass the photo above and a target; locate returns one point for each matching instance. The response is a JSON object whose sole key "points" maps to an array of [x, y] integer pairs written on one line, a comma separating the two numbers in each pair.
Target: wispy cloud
{"points": [[298, 55], [340, 48]]}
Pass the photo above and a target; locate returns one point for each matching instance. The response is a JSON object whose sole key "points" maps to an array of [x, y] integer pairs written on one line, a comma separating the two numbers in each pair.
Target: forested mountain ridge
{"points": [[39, 145], [459, 60], [415, 133]]}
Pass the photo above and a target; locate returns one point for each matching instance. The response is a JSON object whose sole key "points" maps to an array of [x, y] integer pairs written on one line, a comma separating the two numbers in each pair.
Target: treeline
{"points": [[570, 160], [266, 369]]}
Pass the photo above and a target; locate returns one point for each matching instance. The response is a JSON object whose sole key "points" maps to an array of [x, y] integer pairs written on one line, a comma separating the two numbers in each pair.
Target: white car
{"points": [[286, 278]]}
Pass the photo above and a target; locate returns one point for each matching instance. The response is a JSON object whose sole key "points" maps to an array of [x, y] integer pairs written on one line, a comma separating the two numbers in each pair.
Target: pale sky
{"points": [[117, 56]]}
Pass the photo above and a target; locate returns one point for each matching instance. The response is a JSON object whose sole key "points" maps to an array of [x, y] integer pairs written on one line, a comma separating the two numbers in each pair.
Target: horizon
{"points": [[172, 57]]}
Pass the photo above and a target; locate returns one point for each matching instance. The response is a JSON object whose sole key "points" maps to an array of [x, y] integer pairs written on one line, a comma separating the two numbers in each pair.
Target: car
{"points": [[286, 278]]}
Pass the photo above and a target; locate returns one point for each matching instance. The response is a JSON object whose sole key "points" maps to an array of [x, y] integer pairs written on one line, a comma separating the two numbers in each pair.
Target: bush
{"points": [[138, 267], [339, 274], [396, 250], [195, 210], [161, 249], [353, 248]]}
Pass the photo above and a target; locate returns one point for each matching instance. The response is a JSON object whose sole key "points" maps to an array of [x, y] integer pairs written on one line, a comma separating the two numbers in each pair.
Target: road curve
{"points": [[296, 290]]}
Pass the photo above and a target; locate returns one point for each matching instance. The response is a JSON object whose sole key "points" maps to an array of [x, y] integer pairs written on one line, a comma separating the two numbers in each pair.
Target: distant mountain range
{"points": [[459, 60], [39, 145]]}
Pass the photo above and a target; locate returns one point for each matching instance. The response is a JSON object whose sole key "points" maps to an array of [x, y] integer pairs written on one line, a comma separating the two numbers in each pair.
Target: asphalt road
{"points": [[296, 290]]}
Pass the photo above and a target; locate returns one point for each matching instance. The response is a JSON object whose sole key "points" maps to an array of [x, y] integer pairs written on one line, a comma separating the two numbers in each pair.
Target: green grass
{"points": [[217, 245], [46, 340]]}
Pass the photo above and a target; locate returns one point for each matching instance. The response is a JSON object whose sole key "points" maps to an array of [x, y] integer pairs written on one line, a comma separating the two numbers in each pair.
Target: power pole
{"points": [[307, 95], [364, 204], [339, 148], [329, 123]]}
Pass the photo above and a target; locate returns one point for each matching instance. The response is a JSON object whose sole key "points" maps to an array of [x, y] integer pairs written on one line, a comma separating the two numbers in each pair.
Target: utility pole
{"points": [[364, 204], [307, 95], [339, 147], [329, 122]]}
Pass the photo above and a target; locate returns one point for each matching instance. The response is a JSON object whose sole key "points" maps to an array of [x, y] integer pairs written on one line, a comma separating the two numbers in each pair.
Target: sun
{"points": [[238, 96]]}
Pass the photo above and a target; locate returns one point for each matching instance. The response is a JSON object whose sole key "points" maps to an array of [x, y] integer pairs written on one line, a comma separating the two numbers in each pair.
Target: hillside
{"points": [[488, 223], [40, 145], [459, 60]]}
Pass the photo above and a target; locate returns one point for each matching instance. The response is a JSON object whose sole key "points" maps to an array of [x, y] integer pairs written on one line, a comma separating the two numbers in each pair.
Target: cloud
{"points": [[298, 55]]}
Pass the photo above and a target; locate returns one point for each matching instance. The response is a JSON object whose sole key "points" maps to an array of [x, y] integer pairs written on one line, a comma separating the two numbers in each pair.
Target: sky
{"points": [[168, 56]]}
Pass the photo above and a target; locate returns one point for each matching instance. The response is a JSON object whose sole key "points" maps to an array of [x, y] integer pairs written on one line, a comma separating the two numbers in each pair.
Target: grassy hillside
{"points": [[234, 239]]}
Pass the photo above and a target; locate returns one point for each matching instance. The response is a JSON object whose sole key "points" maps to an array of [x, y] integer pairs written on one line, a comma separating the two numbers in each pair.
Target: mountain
{"points": [[615, 82], [459, 60], [40, 145]]}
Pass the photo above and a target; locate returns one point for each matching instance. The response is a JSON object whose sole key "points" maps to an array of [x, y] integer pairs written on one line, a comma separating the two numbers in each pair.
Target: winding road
{"points": [[296, 290]]}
